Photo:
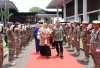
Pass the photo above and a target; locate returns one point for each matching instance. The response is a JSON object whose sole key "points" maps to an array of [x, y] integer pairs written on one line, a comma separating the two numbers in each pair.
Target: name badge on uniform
{"points": [[77, 39], [72, 38], [97, 50], [68, 36], [45, 41]]}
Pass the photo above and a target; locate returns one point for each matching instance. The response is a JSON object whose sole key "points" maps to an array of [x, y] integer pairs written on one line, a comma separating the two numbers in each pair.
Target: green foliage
{"points": [[39, 19], [5, 48], [81, 44], [35, 9], [5, 13], [46, 20]]}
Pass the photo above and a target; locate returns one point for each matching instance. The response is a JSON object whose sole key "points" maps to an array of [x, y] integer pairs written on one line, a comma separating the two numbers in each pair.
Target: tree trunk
{"points": [[5, 22]]}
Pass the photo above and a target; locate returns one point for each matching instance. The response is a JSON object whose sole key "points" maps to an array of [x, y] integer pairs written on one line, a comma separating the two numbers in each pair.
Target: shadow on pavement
{"points": [[75, 55], [84, 63], [6, 65]]}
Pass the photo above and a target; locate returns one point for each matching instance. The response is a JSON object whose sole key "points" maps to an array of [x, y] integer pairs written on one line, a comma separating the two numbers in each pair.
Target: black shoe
{"points": [[48, 57], [57, 54], [42, 55], [61, 57]]}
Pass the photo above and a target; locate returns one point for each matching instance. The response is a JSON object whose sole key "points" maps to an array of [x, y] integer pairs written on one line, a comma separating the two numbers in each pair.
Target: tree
{"points": [[35, 9], [5, 14], [46, 20]]}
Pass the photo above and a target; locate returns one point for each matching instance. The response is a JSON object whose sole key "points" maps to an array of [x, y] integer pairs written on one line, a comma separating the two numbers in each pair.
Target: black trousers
{"points": [[59, 47], [52, 43]]}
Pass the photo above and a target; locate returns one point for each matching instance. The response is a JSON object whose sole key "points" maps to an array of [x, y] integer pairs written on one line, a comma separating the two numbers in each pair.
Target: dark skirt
{"points": [[42, 50], [45, 50]]}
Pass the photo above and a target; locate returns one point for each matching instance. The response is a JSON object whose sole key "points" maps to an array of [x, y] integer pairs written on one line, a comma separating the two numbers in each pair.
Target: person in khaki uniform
{"points": [[33, 29], [23, 32], [27, 34], [85, 40], [18, 40], [71, 36], [32, 33], [77, 37], [22, 38], [44, 41], [51, 36], [25, 37], [95, 44], [64, 38], [1, 48], [68, 35], [11, 43]]}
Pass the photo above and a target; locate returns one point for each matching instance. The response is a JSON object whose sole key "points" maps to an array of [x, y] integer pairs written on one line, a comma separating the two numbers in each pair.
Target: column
{"points": [[99, 16], [57, 13], [52, 20], [5, 2], [76, 10], [8, 8], [88, 18], [49, 20], [80, 19], [64, 12], [85, 10]]}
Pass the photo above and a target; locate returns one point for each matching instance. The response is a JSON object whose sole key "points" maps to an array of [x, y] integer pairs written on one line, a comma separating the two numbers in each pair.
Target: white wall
{"points": [[60, 19], [70, 19]]}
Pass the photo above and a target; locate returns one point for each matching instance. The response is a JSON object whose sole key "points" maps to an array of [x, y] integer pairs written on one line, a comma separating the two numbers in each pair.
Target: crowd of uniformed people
{"points": [[17, 37], [56, 35], [70, 34]]}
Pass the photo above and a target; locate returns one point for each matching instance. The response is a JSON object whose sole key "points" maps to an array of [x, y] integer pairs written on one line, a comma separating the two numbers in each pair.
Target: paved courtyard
{"points": [[21, 62]]}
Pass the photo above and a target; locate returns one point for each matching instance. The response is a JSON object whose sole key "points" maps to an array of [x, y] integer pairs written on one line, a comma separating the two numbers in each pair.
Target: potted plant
{"points": [[6, 15]]}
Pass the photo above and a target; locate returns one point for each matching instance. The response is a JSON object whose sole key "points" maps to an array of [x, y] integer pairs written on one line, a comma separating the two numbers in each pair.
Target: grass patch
{"points": [[81, 45], [5, 48]]}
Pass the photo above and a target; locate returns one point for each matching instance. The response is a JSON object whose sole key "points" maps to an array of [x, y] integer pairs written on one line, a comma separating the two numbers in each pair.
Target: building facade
{"points": [[87, 10]]}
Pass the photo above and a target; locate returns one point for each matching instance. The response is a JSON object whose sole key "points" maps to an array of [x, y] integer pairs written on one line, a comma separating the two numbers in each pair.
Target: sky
{"points": [[25, 5]]}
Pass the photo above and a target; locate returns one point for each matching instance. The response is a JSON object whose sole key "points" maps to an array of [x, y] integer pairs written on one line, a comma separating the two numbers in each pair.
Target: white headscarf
{"points": [[37, 25]]}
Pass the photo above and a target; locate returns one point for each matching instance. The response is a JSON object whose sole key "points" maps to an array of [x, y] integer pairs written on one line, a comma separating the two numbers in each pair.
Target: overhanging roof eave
{"points": [[54, 4]]}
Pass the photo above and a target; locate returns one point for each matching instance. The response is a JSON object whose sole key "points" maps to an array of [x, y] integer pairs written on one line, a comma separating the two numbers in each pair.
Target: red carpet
{"points": [[38, 61]]}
